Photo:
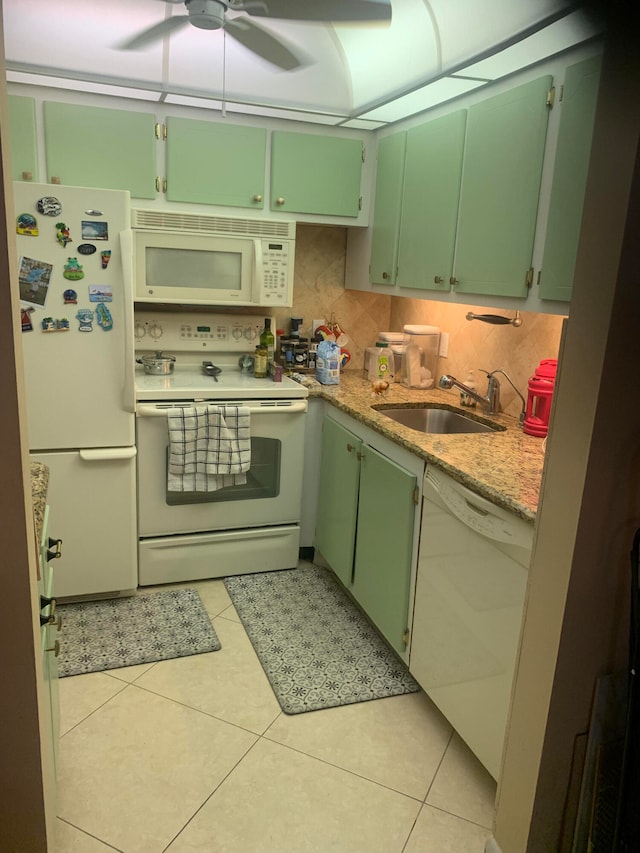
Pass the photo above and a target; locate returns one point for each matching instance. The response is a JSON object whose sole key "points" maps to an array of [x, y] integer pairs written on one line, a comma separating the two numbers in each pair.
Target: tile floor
{"points": [[194, 756]]}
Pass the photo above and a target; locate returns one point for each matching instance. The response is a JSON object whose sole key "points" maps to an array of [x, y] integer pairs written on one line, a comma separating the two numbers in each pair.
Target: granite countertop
{"points": [[504, 467], [39, 487]]}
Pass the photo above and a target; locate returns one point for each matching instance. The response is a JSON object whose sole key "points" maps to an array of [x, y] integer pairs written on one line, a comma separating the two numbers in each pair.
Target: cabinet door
{"points": [[210, 163], [433, 169], [578, 105], [338, 498], [22, 135], [49, 637], [503, 159], [315, 174], [388, 204], [98, 147], [384, 544]]}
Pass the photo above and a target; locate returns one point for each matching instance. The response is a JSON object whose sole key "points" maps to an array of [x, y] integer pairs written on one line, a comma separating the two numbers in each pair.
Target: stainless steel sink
{"points": [[434, 420]]}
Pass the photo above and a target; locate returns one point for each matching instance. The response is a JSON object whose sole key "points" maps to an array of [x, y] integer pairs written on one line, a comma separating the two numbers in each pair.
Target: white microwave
{"points": [[184, 258]]}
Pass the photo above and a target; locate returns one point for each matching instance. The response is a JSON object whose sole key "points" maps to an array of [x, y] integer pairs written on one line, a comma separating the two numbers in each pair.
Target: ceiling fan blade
{"points": [[154, 33], [262, 43], [316, 10]]}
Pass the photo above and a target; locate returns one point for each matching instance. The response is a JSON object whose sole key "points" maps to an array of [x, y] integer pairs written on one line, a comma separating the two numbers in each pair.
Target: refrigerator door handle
{"points": [[107, 454], [126, 251]]}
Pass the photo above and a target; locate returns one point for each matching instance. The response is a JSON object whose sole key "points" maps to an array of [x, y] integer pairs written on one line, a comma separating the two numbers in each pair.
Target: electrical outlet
{"points": [[443, 352]]}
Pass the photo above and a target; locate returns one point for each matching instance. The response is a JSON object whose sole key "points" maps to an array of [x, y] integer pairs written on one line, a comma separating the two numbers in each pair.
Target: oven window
{"points": [[263, 478]]}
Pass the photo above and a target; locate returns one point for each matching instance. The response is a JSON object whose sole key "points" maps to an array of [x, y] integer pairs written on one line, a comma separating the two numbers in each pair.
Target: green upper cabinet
{"points": [[100, 147], [23, 139], [315, 174], [384, 543], [503, 159], [215, 163], [432, 173], [578, 109], [387, 209]]}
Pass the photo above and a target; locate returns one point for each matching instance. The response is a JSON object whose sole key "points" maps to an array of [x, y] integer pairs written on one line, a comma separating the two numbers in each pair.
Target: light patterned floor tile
{"points": [[398, 742], [440, 832], [81, 695], [129, 673], [463, 787], [279, 801], [230, 683], [136, 770], [72, 840]]}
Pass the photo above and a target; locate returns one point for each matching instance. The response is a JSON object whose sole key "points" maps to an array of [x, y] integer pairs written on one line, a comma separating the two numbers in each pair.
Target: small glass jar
{"points": [[260, 366]]}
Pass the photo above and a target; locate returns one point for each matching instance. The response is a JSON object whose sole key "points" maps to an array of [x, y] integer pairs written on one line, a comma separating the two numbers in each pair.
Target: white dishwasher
{"points": [[470, 590]]}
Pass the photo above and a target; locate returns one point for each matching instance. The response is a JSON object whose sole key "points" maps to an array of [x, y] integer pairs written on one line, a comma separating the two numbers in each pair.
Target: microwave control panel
{"points": [[276, 286]]}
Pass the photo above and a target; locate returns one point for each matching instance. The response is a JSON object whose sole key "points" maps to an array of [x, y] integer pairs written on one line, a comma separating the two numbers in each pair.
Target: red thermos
{"points": [[541, 384]]}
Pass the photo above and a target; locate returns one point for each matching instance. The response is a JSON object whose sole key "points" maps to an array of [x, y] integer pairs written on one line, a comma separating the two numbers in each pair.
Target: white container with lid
{"points": [[427, 339]]}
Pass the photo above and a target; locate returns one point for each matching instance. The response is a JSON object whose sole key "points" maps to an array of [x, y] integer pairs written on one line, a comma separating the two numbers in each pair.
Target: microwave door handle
{"points": [[258, 272]]}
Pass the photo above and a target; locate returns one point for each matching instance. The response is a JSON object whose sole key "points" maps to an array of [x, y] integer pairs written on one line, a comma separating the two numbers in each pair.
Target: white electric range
{"points": [[237, 529]]}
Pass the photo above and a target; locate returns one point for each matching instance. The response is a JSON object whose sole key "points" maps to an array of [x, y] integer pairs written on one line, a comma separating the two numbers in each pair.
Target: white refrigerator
{"points": [[77, 334]]}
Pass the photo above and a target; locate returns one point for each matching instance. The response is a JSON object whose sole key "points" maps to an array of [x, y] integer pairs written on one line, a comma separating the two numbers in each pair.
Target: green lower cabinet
{"points": [[384, 543], [311, 173], [502, 169], [23, 138], [100, 147], [578, 110], [338, 498], [214, 163], [365, 528]]}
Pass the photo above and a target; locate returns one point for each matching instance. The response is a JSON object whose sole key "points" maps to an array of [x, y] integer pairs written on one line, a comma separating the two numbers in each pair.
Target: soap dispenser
{"points": [[465, 399]]}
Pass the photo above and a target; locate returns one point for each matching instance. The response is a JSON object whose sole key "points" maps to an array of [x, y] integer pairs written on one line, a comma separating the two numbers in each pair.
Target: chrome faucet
{"points": [[490, 402]]}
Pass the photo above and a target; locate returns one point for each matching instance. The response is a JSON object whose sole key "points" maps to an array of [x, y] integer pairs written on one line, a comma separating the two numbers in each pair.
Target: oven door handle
{"points": [[153, 411]]}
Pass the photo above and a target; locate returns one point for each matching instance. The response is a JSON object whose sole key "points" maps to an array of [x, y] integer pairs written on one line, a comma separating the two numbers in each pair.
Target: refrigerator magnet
{"points": [[25, 319], [105, 257], [100, 293], [63, 235], [94, 230], [86, 249], [27, 225], [73, 270], [84, 317], [33, 280], [49, 205], [105, 319], [70, 297], [51, 325]]}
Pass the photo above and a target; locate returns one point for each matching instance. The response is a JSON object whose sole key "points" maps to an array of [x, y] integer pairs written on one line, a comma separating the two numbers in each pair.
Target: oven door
{"points": [[272, 494]]}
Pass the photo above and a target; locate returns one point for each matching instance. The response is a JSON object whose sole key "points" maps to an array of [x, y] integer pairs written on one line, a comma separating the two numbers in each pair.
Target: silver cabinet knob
{"points": [[257, 198], [280, 200]]}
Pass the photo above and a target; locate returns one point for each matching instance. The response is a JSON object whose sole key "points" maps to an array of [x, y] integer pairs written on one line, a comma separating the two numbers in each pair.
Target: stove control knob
{"points": [[155, 331], [140, 331], [237, 333], [250, 333]]}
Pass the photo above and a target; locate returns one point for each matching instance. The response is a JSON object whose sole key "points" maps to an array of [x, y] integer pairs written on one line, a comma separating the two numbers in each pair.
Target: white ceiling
{"points": [[363, 75]]}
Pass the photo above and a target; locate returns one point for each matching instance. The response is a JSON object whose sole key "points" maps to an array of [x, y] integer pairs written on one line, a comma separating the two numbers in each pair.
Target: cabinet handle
{"points": [[453, 280], [45, 602], [258, 198], [55, 648], [54, 551], [349, 447], [437, 279], [280, 200], [385, 276], [51, 620]]}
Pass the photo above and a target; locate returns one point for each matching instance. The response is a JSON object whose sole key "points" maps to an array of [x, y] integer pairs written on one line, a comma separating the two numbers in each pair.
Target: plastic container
{"points": [[541, 386], [427, 341], [465, 399], [381, 363]]}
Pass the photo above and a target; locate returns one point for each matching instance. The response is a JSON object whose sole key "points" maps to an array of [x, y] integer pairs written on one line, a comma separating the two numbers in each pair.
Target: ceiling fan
{"points": [[211, 15]]}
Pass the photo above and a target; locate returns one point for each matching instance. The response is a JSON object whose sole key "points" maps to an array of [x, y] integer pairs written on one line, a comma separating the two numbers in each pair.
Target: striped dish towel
{"points": [[209, 447]]}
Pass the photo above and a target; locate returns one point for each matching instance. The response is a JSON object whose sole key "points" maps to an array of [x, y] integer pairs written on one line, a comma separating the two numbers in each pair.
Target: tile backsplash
{"points": [[319, 293]]}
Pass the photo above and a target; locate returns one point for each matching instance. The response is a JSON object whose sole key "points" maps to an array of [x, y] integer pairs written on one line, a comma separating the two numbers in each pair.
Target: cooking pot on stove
{"points": [[157, 364]]}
